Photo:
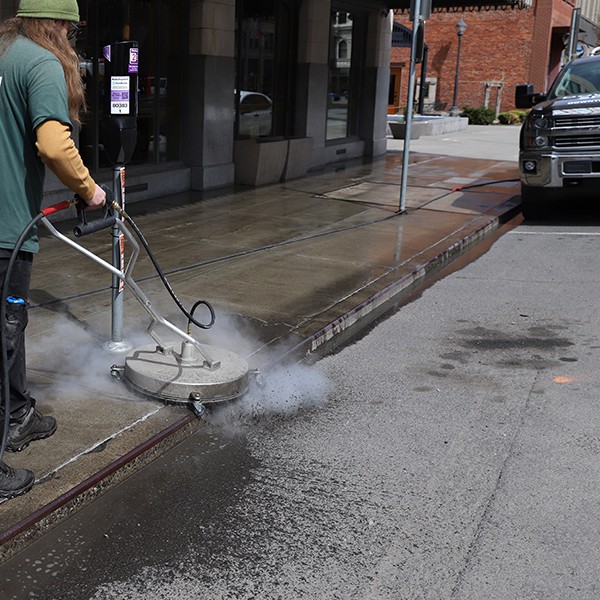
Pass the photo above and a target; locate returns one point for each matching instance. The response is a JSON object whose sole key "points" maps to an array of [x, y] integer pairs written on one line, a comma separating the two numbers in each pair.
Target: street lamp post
{"points": [[461, 27]]}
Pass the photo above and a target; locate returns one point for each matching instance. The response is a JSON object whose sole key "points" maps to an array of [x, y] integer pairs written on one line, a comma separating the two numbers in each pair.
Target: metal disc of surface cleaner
{"points": [[166, 377]]}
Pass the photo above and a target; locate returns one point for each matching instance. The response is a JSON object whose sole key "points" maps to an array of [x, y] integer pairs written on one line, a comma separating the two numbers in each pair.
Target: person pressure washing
{"points": [[41, 99]]}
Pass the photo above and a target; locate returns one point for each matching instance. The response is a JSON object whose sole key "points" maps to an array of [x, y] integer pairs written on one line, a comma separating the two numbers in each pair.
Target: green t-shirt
{"points": [[32, 91]]}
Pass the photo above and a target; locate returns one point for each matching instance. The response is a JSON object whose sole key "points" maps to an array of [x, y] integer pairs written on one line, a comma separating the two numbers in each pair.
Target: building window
{"points": [[340, 68], [159, 28], [347, 44], [264, 68], [255, 56]]}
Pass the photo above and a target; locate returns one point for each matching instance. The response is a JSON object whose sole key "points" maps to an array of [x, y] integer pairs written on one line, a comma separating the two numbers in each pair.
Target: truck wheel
{"points": [[534, 202]]}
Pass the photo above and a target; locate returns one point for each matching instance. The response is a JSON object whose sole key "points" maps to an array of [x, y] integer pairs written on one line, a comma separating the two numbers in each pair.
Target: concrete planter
{"points": [[259, 161], [399, 130], [422, 125], [298, 158]]}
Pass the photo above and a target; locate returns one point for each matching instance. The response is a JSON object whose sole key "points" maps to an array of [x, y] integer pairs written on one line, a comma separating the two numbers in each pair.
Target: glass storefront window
{"points": [[158, 27], [340, 68], [347, 43], [256, 56], [264, 46]]}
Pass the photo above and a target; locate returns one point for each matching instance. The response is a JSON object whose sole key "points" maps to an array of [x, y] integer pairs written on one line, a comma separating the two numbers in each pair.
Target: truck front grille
{"points": [[576, 130], [571, 121], [577, 141]]}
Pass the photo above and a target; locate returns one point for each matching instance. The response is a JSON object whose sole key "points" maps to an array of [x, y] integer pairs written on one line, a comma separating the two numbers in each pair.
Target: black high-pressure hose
{"points": [[188, 314]]}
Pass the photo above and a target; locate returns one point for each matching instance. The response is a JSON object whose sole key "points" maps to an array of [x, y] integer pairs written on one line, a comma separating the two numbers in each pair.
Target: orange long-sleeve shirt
{"points": [[58, 152]]}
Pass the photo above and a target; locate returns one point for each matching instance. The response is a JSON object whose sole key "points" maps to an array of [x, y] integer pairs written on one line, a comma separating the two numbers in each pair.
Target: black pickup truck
{"points": [[559, 155]]}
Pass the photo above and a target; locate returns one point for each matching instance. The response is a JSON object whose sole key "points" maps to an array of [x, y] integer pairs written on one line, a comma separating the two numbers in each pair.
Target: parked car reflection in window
{"points": [[255, 114]]}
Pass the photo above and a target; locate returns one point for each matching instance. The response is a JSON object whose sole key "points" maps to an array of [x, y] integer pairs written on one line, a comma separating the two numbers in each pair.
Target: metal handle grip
{"points": [[85, 228]]}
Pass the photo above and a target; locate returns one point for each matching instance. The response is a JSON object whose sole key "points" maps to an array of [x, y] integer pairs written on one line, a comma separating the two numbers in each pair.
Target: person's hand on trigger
{"points": [[98, 199]]}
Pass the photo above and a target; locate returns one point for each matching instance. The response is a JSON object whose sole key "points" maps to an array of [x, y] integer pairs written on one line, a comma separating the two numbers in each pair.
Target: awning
{"points": [[401, 36], [462, 5]]}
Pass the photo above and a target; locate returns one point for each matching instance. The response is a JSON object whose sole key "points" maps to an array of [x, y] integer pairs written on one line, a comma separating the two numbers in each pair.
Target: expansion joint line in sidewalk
{"points": [[242, 253], [97, 445]]}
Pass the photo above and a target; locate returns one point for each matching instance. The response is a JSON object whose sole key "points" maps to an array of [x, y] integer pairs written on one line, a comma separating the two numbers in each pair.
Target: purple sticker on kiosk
{"points": [[133, 60], [119, 95]]}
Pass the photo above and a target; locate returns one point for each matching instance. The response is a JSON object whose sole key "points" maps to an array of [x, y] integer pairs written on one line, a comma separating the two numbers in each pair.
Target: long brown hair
{"points": [[45, 34]]}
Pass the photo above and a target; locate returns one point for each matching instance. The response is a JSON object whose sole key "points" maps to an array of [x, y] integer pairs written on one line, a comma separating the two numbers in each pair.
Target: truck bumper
{"points": [[551, 170]]}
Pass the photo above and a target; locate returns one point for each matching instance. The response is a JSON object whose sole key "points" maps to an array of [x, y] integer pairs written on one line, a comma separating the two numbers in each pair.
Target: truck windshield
{"points": [[578, 78]]}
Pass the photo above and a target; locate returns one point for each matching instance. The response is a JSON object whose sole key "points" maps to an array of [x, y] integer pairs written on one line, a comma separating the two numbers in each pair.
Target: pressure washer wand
{"points": [[82, 228]]}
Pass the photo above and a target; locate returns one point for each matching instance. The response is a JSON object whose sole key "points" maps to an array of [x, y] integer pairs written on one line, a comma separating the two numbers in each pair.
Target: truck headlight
{"points": [[537, 131], [533, 140], [540, 123]]}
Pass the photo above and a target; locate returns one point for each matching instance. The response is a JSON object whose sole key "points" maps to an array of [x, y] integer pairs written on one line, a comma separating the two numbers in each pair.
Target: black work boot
{"points": [[14, 482], [33, 426]]}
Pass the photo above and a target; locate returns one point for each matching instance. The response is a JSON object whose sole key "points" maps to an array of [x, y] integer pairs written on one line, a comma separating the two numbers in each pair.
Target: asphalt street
{"points": [[451, 453]]}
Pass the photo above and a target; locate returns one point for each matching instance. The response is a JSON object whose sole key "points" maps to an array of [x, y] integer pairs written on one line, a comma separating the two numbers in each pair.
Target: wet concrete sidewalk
{"points": [[291, 269]]}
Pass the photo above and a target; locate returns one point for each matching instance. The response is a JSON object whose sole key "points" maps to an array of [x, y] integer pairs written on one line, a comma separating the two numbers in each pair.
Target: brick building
{"points": [[499, 50]]}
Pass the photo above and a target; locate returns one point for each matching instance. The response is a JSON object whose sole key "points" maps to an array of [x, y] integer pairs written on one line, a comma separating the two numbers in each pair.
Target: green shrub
{"points": [[479, 115], [512, 117]]}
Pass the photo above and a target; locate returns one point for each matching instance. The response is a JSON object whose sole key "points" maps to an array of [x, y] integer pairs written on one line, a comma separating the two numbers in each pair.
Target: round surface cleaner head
{"points": [[168, 377]]}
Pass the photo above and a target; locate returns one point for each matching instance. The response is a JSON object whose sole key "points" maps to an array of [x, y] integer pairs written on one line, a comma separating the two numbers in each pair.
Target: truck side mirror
{"points": [[524, 95]]}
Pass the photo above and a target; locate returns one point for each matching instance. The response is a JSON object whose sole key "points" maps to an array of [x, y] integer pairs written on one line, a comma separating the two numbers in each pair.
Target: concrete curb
{"points": [[368, 311]]}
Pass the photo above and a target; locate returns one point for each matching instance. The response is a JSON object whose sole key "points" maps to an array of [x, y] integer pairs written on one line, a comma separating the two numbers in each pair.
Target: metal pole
{"points": [[409, 104], [574, 33], [454, 111], [117, 344]]}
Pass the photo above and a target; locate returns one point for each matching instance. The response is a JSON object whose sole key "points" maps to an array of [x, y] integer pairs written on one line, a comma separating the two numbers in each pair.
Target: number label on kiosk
{"points": [[119, 95]]}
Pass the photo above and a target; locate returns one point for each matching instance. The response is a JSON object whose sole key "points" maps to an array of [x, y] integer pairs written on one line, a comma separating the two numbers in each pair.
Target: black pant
{"points": [[16, 321]]}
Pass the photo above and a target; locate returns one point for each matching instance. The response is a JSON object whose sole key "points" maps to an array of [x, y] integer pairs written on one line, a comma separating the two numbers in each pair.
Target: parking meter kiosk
{"points": [[120, 100], [119, 129]]}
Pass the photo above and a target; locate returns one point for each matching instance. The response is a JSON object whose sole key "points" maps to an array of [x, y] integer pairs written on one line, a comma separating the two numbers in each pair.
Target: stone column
{"points": [[312, 74], [208, 102], [373, 104]]}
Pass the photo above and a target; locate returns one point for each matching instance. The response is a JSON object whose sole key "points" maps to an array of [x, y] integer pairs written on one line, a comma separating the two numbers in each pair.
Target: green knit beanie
{"points": [[61, 10]]}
